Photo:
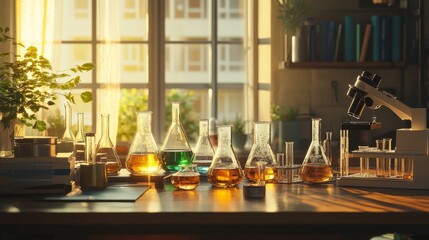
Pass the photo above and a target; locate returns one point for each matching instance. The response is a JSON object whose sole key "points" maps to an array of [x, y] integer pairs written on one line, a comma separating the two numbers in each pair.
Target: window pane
{"points": [[76, 54], [132, 100], [76, 20], [187, 20], [231, 63], [264, 105], [264, 64], [231, 25], [134, 63], [133, 19], [194, 105], [187, 63], [230, 105]]}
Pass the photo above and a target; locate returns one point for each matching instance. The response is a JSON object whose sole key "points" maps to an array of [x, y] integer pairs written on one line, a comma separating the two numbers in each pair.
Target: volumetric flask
{"points": [[203, 154], [106, 149], [315, 167], [225, 171], [175, 150], [261, 152], [143, 156]]}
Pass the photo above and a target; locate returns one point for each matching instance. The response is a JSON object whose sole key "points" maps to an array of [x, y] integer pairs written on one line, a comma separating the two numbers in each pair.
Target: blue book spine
{"points": [[331, 40], [312, 42], [396, 38], [323, 37], [375, 24], [385, 35], [349, 39]]}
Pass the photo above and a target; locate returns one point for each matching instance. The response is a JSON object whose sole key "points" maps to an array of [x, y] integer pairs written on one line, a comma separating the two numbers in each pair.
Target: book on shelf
{"points": [[357, 42], [396, 38], [349, 39], [375, 23], [338, 41], [365, 42], [385, 38]]}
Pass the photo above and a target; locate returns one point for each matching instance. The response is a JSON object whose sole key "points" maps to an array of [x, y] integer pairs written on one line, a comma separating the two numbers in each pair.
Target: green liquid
{"points": [[171, 159]]}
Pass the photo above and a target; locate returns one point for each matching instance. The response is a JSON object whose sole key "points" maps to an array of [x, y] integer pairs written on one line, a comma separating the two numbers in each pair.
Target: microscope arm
{"points": [[375, 99]]}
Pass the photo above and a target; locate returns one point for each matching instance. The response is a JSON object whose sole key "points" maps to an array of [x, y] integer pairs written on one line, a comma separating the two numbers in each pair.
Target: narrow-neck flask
{"points": [[328, 147], [315, 167], [225, 171], [175, 149], [79, 143], [261, 152], [143, 156], [68, 138], [203, 154], [106, 149]]}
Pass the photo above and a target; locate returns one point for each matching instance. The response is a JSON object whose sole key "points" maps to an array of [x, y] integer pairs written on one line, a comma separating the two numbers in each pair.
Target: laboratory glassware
{"points": [[67, 140], [175, 148], [93, 172], [203, 154], [187, 178], [287, 171], [79, 143], [261, 152], [106, 149], [315, 167], [143, 156], [225, 171]]}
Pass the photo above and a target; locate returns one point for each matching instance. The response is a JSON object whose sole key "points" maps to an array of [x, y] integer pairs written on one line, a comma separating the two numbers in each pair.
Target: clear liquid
{"points": [[111, 159], [171, 159], [252, 175], [143, 163]]}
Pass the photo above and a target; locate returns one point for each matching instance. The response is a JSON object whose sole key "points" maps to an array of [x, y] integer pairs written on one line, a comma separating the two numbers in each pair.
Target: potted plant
{"points": [[285, 126], [29, 84], [239, 136]]}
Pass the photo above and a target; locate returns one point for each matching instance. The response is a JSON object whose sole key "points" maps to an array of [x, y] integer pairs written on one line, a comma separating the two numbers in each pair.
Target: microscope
{"points": [[412, 144]]}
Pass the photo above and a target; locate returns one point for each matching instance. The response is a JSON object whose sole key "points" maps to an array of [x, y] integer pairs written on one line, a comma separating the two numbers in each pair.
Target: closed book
{"points": [[396, 38], [349, 39], [365, 43], [323, 41], [385, 38], [338, 41], [357, 42], [331, 40], [303, 43], [312, 43], [375, 25]]}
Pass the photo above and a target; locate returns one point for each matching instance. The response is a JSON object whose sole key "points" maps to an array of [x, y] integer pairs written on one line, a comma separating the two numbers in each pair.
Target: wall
{"points": [[310, 89]]}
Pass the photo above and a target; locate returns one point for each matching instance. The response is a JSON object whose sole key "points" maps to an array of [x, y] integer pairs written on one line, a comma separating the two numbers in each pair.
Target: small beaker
{"points": [[364, 162], [187, 178], [93, 173]]}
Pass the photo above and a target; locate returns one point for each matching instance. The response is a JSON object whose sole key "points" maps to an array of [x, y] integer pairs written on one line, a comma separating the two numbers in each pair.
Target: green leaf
{"points": [[86, 96], [87, 66], [39, 125]]}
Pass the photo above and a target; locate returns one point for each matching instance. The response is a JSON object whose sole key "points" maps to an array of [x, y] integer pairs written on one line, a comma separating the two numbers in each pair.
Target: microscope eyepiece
{"points": [[370, 79], [358, 103]]}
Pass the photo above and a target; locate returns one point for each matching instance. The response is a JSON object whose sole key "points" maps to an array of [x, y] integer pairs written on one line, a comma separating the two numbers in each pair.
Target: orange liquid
{"points": [[113, 168], [225, 177], [185, 182], [143, 163], [316, 173], [252, 175]]}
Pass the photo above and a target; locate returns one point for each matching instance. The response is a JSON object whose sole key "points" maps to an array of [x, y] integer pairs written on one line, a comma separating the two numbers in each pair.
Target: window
{"points": [[192, 59]]}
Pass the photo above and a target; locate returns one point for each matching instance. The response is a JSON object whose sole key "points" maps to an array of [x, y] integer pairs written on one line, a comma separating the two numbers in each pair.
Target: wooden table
{"points": [[297, 210]]}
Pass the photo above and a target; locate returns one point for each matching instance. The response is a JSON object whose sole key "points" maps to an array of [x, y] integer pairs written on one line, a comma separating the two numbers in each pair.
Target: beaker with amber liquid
{"points": [[225, 171], [261, 152], [203, 153], [316, 167], [175, 149], [187, 178], [106, 149], [143, 156]]}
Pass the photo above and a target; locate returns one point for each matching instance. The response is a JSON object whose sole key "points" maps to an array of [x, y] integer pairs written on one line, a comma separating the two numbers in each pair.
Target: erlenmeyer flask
{"points": [[67, 140], [106, 150], [225, 171], [79, 143], [143, 155], [315, 167], [203, 154], [175, 149], [261, 152]]}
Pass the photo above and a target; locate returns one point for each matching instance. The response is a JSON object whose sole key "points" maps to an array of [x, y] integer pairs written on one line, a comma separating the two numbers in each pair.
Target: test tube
{"points": [[407, 168], [90, 151], [387, 146], [379, 161], [261, 173], [364, 162], [287, 171], [344, 153]]}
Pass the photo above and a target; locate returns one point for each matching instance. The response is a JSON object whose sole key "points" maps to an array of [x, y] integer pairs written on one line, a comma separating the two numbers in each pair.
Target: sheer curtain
{"points": [[108, 64]]}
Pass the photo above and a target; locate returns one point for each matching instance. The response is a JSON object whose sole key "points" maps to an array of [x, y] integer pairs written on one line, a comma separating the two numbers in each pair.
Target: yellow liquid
{"points": [[143, 163], [113, 168], [316, 173], [225, 177], [251, 174], [185, 182]]}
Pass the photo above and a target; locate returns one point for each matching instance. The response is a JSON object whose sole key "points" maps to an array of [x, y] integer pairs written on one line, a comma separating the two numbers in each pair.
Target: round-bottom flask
{"points": [[187, 178], [225, 171], [316, 167]]}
